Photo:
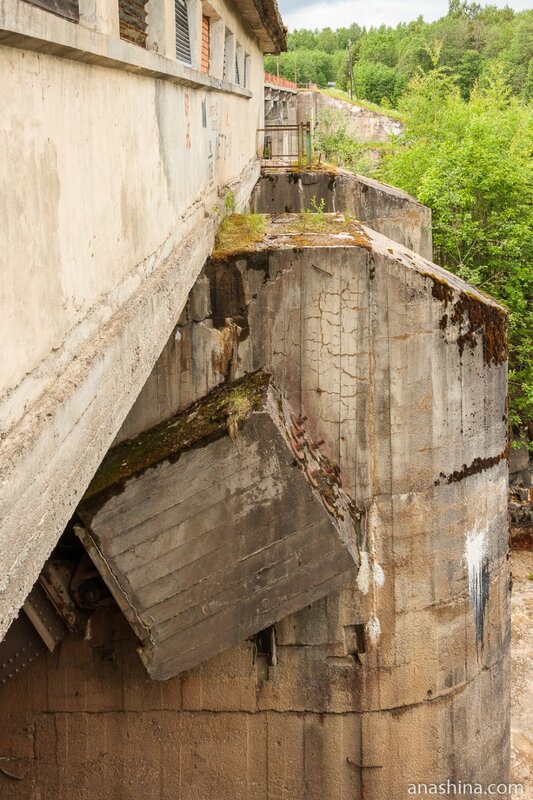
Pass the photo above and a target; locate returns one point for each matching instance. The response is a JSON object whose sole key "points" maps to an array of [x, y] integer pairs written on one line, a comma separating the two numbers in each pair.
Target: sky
{"points": [[340, 13]]}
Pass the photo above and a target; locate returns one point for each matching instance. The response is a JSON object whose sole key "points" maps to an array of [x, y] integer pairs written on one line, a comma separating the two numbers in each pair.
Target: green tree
{"points": [[471, 163], [528, 83], [302, 39], [374, 81], [326, 40], [468, 71], [379, 46]]}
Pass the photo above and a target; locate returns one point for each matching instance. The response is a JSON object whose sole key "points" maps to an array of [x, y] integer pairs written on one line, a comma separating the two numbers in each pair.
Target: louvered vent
{"points": [[183, 41], [132, 20]]}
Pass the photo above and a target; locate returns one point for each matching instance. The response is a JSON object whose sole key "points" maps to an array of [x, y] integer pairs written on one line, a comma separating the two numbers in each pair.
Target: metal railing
{"points": [[275, 80], [286, 144]]}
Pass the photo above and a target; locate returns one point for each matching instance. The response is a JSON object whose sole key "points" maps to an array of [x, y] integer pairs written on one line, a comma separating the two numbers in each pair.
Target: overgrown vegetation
{"points": [[341, 94], [385, 59], [470, 161], [238, 231], [340, 149]]}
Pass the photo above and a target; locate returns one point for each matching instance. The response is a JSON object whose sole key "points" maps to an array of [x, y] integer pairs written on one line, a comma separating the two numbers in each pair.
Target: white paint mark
{"points": [[373, 629], [474, 549], [475, 559], [363, 576], [379, 575]]}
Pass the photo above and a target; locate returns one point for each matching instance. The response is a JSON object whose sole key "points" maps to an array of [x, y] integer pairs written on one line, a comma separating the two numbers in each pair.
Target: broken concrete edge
{"points": [[296, 172], [241, 234], [381, 185], [164, 672], [204, 421], [476, 311], [222, 412], [321, 474], [120, 595]]}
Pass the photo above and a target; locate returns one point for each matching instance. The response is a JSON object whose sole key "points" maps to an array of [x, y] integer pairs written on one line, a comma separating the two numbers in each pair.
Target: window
{"points": [[62, 8], [132, 21], [206, 44], [183, 39], [229, 64], [239, 65], [246, 75]]}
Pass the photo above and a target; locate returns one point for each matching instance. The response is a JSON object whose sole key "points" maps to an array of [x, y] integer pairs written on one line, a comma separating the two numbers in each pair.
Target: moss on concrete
{"points": [[239, 233], [218, 413], [318, 229], [474, 313]]}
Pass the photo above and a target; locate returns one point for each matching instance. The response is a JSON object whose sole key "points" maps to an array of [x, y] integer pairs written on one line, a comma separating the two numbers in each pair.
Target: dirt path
{"points": [[522, 671]]}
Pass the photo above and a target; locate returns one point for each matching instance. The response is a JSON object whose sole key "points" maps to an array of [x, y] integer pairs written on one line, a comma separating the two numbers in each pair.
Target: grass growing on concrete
{"points": [[239, 232], [313, 219], [339, 94], [315, 229], [219, 412]]}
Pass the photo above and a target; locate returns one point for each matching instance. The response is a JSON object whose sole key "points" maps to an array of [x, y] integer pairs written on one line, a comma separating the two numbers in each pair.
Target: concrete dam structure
{"points": [[253, 471], [300, 528]]}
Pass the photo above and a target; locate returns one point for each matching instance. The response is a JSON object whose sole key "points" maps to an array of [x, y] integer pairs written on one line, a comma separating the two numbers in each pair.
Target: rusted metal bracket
{"points": [[363, 766]]}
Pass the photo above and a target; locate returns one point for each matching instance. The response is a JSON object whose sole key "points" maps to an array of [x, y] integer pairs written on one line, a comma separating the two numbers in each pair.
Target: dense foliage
{"points": [[385, 59], [470, 161]]}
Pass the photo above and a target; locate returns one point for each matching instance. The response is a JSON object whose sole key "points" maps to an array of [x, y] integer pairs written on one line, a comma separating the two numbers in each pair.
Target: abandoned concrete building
{"points": [[254, 492]]}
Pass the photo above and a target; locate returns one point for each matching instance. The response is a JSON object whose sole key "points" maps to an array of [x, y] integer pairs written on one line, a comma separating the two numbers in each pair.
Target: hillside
{"points": [[469, 38]]}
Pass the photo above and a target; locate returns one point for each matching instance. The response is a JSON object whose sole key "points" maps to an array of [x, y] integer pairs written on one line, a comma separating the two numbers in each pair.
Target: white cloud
{"points": [[319, 14]]}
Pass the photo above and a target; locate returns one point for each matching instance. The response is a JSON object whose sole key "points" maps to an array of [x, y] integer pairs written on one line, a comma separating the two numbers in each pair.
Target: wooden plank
{"points": [[210, 544], [225, 569], [199, 472], [169, 530]]}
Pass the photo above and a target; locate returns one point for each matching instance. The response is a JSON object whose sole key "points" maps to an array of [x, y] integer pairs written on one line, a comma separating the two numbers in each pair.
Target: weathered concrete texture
{"points": [[401, 369], [65, 434], [362, 124], [401, 677], [280, 110], [112, 156], [214, 533], [88, 722], [383, 208]]}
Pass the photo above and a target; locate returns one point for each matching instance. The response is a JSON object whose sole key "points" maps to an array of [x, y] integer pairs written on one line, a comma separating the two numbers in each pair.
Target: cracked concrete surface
{"points": [[352, 331]]}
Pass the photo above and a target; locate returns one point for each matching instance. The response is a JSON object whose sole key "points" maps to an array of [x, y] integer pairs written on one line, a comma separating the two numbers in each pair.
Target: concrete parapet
{"points": [[383, 208]]}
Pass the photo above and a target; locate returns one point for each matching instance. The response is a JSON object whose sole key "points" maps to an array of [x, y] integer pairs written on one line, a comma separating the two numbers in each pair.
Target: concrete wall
{"points": [[394, 368], [280, 109], [401, 369], [361, 123], [87, 721], [383, 208], [116, 161]]}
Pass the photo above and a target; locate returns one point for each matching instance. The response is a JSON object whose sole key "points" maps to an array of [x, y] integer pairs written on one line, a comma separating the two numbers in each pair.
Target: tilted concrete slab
{"points": [[218, 523]]}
